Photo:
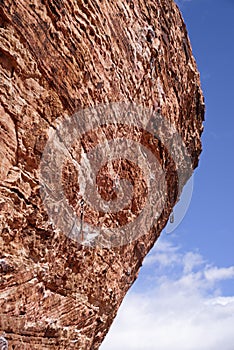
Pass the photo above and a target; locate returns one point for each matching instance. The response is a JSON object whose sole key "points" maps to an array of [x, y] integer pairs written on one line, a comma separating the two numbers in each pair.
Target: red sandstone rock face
{"points": [[58, 58]]}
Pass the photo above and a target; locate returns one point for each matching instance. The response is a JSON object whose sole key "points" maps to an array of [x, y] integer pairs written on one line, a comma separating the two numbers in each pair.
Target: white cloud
{"points": [[165, 255], [216, 274], [183, 310], [192, 260]]}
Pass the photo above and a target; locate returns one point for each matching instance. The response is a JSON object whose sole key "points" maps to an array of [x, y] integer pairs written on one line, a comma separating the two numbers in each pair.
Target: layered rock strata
{"points": [[58, 58]]}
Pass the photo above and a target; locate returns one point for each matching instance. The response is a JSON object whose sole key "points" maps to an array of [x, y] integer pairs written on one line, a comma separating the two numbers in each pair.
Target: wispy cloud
{"points": [[218, 274], [183, 309]]}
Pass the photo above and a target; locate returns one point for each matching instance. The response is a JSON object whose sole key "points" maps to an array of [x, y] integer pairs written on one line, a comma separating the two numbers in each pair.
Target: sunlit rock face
{"points": [[100, 121]]}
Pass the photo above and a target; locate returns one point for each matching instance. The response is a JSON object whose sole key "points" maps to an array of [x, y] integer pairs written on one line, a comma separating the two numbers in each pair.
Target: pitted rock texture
{"points": [[57, 57]]}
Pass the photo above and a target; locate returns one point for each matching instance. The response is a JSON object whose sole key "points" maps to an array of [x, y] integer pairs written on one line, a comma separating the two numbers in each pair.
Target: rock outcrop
{"points": [[59, 57]]}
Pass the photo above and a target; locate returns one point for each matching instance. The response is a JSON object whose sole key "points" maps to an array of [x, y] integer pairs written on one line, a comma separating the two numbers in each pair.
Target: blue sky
{"points": [[184, 296]]}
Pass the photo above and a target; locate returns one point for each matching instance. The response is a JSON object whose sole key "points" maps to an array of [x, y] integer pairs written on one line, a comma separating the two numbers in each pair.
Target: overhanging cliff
{"points": [[75, 75]]}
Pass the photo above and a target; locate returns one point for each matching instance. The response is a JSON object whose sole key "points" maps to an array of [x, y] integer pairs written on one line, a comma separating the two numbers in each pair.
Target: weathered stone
{"points": [[56, 58]]}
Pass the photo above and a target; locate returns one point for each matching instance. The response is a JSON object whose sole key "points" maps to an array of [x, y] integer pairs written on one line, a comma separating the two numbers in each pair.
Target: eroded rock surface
{"points": [[56, 58]]}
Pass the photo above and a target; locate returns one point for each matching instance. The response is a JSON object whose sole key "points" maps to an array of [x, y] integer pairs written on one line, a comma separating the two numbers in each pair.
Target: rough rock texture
{"points": [[57, 57]]}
